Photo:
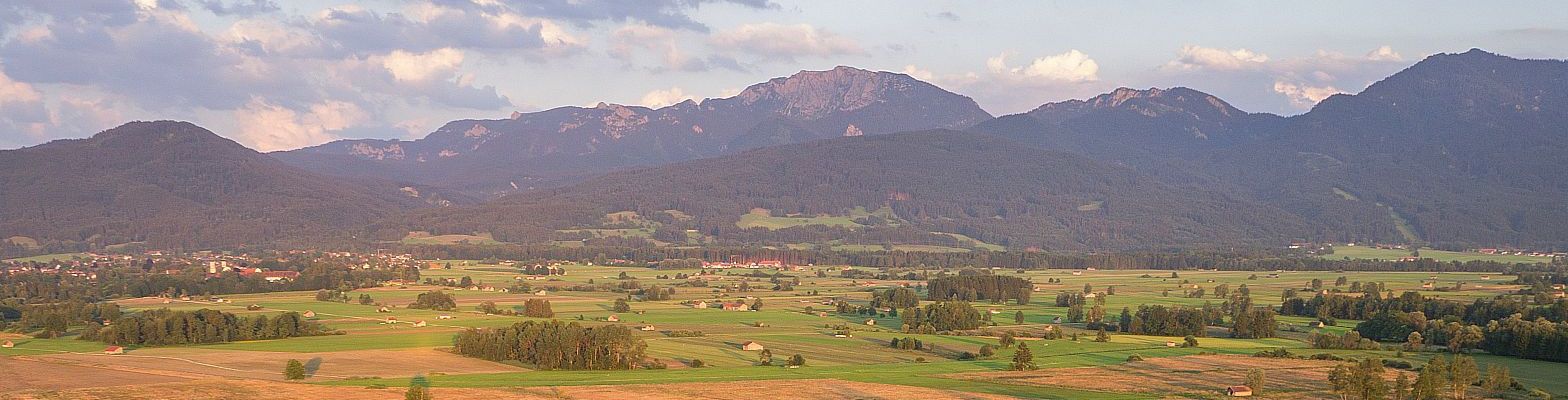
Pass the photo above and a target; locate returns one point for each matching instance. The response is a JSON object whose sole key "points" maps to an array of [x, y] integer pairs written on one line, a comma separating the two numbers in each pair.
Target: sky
{"points": [[284, 74]]}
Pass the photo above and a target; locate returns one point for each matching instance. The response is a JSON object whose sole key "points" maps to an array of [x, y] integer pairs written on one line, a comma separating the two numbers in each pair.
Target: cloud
{"points": [[784, 42], [664, 97], [662, 13], [1198, 57], [1385, 53], [243, 8], [430, 26], [918, 73], [948, 16], [419, 67], [630, 40], [265, 126], [1303, 95], [1072, 66]]}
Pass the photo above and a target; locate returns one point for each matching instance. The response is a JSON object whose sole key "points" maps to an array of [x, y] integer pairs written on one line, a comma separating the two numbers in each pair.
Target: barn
{"points": [[1238, 391], [752, 346]]}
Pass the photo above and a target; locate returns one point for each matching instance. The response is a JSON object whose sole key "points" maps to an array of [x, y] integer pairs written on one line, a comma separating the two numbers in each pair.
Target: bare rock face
{"points": [[815, 94]]}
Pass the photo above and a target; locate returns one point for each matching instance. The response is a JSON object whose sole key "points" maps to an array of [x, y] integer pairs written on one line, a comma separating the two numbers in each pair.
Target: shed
{"points": [[613, 318], [419, 324], [383, 309], [871, 322], [1238, 391], [309, 314], [114, 350], [648, 328], [1170, 344], [8, 344], [753, 346]]}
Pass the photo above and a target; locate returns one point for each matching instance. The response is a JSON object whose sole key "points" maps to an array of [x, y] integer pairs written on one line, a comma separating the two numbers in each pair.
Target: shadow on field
{"points": [[312, 366]]}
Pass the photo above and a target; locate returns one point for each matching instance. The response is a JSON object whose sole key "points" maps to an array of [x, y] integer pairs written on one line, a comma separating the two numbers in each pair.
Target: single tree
{"points": [[1023, 359], [1255, 380], [797, 360], [1462, 373], [294, 370]]}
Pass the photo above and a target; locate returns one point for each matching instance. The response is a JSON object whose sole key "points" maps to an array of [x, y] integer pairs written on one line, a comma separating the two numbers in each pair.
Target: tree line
{"points": [[171, 327]]}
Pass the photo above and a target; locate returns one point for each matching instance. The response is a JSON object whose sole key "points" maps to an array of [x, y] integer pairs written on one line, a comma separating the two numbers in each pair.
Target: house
{"points": [[871, 322], [1238, 391], [699, 304], [8, 344], [444, 316], [1426, 285], [419, 324], [541, 292], [114, 350], [751, 346], [613, 318], [309, 314], [391, 320], [1077, 273], [1170, 344], [647, 328], [736, 306]]}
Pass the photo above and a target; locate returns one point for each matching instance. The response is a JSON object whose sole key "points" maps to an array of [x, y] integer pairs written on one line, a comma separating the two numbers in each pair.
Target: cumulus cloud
{"points": [[629, 42], [419, 67], [265, 126], [1303, 95], [1385, 53], [430, 26], [1197, 57], [664, 97], [784, 42], [1072, 66]]}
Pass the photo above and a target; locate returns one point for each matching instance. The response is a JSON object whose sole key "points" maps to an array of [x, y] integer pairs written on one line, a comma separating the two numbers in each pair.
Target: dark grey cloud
{"points": [[363, 31], [663, 13], [243, 8]]}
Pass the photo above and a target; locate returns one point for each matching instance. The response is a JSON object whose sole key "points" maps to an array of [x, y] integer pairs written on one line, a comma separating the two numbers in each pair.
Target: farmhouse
{"points": [[751, 346], [114, 350], [613, 318], [391, 320], [1238, 391], [736, 306]]}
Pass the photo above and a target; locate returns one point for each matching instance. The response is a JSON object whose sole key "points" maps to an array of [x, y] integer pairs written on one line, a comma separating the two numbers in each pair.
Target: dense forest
{"points": [[995, 288], [552, 345]]}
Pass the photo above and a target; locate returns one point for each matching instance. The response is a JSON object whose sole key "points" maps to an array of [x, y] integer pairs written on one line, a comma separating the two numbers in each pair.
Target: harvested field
{"points": [[27, 374], [1176, 376], [248, 389], [268, 365]]}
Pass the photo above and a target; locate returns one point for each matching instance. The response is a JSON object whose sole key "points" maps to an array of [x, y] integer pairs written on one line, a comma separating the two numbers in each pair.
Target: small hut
{"points": [[114, 350], [8, 344], [309, 314], [751, 346], [871, 322], [419, 324], [647, 328], [1238, 391], [383, 309]]}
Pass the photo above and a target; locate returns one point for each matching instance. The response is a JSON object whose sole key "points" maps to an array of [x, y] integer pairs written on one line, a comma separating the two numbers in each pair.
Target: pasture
{"points": [[789, 322]]}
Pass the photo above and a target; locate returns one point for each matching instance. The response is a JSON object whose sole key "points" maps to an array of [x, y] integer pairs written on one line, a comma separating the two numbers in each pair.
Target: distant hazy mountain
{"points": [[567, 143], [985, 187], [1459, 149], [176, 184]]}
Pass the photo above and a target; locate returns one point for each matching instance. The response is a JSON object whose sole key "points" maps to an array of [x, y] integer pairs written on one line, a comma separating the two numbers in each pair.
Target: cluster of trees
{"points": [[437, 300], [895, 298], [1159, 320], [552, 345], [1451, 377], [995, 288], [136, 282], [537, 308], [168, 327], [54, 319], [908, 343], [940, 316], [1253, 323]]}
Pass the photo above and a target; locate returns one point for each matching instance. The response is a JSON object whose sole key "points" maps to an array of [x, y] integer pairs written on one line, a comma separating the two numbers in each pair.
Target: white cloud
{"points": [[1385, 53], [268, 127], [918, 73], [1072, 66], [1303, 95], [779, 41], [664, 97], [419, 67], [1198, 57]]}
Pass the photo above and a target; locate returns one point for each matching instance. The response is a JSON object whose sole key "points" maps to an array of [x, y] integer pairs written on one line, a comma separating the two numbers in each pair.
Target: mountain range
{"points": [[1457, 150]]}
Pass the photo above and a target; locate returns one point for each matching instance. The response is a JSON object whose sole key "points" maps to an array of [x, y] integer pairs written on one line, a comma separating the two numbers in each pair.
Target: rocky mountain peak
{"points": [[813, 94]]}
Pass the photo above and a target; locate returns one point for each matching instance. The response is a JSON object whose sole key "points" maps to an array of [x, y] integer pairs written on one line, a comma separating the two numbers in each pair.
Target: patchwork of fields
{"points": [[373, 353]]}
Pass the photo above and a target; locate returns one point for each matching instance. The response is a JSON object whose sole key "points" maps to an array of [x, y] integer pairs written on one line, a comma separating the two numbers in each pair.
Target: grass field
{"points": [[48, 257], [426, 238], [1371, 253], [792, 327]]}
